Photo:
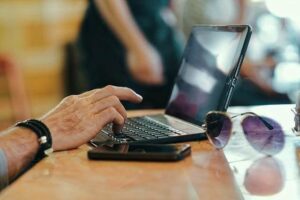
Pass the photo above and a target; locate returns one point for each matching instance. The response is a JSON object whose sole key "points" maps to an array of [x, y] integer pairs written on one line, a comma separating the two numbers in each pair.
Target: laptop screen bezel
{"points": [[223, 103]]}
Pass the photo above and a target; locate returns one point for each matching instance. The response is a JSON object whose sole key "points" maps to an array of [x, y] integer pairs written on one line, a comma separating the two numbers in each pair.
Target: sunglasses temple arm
{"points": [[269, 126]]}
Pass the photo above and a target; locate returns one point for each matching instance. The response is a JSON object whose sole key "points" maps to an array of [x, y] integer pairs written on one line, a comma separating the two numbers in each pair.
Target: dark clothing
{"points": [[247, 93], [103, 55]]}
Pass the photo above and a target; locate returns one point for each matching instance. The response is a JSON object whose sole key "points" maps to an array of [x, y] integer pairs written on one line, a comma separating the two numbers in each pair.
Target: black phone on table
{"points": [[142, 152]]}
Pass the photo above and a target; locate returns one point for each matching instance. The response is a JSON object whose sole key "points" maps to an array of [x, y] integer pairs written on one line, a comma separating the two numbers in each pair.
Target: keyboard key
{"points": [[143, 128]]}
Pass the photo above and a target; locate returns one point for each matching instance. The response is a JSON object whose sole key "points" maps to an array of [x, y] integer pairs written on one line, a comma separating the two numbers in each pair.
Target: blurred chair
{"points": [[18, 97], [74, 79]]}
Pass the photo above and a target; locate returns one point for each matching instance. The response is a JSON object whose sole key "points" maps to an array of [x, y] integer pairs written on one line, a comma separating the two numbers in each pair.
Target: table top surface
{"points": [[237, 172]]}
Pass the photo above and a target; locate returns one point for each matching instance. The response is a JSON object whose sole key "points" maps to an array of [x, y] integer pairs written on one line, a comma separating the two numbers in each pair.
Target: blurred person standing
{"points": [[131, 43]]}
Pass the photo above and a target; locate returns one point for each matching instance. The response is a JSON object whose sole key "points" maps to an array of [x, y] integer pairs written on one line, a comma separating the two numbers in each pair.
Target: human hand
{"points": [[145, 66], [78, 118]]}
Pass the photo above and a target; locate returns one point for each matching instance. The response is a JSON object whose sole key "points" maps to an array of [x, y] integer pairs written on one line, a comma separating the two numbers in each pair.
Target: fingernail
{"points": [[138, 95]]}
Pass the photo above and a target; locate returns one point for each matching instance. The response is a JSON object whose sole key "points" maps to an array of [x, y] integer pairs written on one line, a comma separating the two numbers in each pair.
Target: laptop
{"points": [[207, 76]]}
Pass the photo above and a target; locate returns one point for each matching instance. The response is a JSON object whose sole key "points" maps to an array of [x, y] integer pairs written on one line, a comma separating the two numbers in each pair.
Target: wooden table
{"points": [[206, 174]]}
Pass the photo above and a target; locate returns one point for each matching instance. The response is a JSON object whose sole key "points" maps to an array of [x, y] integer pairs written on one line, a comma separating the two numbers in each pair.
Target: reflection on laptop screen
{"points": [[209, 60]]}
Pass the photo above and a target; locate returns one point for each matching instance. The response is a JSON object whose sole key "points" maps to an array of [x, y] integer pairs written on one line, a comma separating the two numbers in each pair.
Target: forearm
{"points": [[118, 17], [20, 146]]}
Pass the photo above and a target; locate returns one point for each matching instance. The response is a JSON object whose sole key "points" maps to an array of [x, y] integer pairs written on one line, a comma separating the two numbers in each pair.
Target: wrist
{"points": [[53, 126], [43, 134], [28, 136]]}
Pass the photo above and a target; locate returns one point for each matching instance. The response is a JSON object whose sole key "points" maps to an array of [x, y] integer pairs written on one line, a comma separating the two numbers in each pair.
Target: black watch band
{"points": [[43, 133]]}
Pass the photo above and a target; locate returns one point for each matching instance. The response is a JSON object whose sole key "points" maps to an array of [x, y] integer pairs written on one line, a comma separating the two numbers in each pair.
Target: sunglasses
{"points": [[263, 134]]}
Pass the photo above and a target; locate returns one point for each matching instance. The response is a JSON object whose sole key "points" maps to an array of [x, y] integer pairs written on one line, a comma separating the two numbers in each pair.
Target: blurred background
{"points": [[37, 57]]}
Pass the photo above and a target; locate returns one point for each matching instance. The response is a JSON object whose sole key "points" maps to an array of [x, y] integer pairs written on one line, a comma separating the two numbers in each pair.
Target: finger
{"points": [[117, 128], [123, 93], [110, 115], [111, 101], [88, 93]]}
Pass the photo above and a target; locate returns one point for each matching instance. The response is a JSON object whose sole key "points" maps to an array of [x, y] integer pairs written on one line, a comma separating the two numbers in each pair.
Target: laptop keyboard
{"points": [[142, 129]]}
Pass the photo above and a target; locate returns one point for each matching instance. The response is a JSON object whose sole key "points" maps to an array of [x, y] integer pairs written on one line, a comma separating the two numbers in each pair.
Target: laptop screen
{"points": [[209, 63]]}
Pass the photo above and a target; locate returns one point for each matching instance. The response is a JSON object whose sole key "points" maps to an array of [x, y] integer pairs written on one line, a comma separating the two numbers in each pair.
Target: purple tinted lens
{"points": [[265, 140], [218, 129]]}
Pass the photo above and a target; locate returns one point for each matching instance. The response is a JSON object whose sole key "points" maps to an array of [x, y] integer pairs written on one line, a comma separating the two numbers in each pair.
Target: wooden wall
{"points": [[34, 32]]}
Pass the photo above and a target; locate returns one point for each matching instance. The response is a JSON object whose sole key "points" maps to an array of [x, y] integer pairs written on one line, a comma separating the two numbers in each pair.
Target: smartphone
{"points": [[141, 152]]}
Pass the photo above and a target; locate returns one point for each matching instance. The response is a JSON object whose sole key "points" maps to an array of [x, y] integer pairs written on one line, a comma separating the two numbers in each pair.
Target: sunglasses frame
{"points": [[296, 128], [226, 114]]}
